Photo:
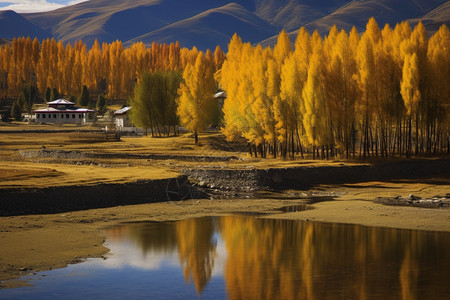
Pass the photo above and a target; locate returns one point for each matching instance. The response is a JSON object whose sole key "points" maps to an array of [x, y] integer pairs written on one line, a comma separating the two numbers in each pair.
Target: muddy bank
{"points": [[303, 178], [73, 198], [76, 155], [208, 183]]}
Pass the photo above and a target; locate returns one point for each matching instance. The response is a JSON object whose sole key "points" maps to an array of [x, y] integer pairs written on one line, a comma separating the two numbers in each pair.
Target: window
{"points": [[43, 116], [79, 116], [67, 116], [62, 116], [49, 116], [54, 116], [73, 116], [38, 116]]}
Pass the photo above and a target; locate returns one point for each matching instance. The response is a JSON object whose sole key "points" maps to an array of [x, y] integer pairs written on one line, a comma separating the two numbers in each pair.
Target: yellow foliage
{"points": [[195, 104], [410, 83]]}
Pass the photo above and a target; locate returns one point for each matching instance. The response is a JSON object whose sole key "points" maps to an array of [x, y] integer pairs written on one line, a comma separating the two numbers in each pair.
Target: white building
{"points": [[121, 118], [220, 96], [62, 111]]}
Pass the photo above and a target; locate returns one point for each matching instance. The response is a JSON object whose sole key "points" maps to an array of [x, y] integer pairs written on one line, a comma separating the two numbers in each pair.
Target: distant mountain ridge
{"points": [[205, 23], [13, 25]]}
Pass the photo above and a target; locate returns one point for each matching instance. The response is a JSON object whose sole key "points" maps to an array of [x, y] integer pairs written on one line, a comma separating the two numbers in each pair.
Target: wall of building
{"points": [[64, 118]]}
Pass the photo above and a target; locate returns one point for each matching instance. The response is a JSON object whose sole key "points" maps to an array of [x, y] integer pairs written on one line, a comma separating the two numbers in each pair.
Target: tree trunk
{"points": [[299, 143], [409, 146], [274, 151]]}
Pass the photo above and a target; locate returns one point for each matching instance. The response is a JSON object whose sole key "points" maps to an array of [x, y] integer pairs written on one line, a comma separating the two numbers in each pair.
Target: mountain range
{"points": [[206, 23]]}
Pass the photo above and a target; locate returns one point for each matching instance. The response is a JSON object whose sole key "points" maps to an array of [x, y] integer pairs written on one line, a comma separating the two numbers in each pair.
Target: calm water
{"points": [[252, 258]]}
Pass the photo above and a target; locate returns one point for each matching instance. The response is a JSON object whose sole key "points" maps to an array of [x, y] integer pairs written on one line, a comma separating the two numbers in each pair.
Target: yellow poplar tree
{"points": [[195, 103], [263, 105], [219, 58], [230, 79], [314, 102], [291, 92], [410, 83], [438, 111], [281, 51], [94, 72], [410, 92], [115, 69], [366, 81]]}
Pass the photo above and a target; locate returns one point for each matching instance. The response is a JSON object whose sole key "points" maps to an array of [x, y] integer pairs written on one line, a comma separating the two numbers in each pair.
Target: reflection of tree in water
{"points": [[157, 237], [279, 259], [276, 259], [192, 238], [196, 250]]}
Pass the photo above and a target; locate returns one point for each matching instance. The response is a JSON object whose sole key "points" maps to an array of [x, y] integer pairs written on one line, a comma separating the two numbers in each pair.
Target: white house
{"points": [[62, 111], [220, 96], [121, 118], [123, 122]]}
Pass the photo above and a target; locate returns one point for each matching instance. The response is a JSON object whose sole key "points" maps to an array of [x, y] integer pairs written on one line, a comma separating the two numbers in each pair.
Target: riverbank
{"points": [[213, 183], [57, 194], [33, 243]]}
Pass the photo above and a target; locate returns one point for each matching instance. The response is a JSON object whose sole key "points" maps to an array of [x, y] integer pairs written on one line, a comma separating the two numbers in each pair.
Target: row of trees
{"points": [[384, 92], [163, 100], [110, 69]]}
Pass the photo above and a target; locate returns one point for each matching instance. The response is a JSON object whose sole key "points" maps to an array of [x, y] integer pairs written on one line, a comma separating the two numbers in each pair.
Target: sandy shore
{"points": [[41, 242]]}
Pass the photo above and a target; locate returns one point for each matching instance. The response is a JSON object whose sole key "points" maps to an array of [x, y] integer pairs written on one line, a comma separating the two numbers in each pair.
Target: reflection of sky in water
{"points": [[98, 279], [91, 280], [126, 253], [242, 257], [127, 272]]}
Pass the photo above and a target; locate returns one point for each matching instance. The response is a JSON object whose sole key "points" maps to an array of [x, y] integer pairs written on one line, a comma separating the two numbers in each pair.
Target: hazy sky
{"points": [[35, 5]]}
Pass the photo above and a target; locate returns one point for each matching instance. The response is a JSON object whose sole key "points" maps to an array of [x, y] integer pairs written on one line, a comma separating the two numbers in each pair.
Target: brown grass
{"points": [[16, 137]]}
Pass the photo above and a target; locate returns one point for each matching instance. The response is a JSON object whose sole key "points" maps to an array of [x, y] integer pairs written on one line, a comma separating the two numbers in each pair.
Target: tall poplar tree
{"points": [[411, 93], [195, 104]]}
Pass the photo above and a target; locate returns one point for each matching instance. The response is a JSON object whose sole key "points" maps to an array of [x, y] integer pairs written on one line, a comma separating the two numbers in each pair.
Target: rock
{"points": [[412, 197]]}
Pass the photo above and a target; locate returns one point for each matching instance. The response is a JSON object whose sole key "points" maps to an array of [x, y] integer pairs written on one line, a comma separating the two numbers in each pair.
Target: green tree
{"points": [[141, 112], [83, 99], [172, 83], [48, 94], [154, 104], [16, 110], [29, 94], [54, 94], [101, 104]]}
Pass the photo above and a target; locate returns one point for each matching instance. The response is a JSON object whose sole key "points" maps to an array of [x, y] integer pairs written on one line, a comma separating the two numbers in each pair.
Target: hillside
{"points": [[435, 18], [219, 24], [13, 25], [207, 23], [356, 13]]}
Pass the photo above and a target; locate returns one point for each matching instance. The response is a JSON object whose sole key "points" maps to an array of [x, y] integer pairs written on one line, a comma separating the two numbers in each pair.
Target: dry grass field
{"points": [[28, 159], [17, 170]]}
